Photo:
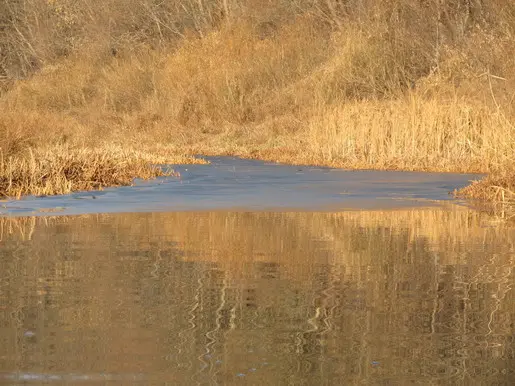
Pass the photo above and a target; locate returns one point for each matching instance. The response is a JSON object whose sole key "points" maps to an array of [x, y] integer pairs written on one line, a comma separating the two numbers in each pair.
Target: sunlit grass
{"points": [[61, 170], [387, 85], [497, 189]]}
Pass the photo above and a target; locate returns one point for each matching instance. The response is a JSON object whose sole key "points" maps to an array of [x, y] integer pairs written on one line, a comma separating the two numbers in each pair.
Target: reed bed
{"points": [[61, 170], [373, 84]]}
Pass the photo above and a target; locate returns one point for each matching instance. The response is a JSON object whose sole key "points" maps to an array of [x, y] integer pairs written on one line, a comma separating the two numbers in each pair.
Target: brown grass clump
{"points": [[498, 189], [61, 170]]}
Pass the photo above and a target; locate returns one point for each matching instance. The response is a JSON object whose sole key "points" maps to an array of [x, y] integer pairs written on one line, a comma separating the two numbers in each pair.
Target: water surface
{"points": [[406, 296], [230, 183]]}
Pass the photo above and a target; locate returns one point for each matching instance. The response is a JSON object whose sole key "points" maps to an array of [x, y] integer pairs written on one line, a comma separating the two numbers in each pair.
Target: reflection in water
{"points": [[382, 297]]}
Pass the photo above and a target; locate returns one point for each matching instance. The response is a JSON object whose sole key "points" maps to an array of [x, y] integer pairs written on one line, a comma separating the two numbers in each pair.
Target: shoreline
{"points": [[363, 190], [485, 191]]}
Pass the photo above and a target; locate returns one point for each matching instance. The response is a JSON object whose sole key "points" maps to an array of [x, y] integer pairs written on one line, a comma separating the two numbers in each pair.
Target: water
{"points": [[402, 295], [375, 297], [229, 183]]}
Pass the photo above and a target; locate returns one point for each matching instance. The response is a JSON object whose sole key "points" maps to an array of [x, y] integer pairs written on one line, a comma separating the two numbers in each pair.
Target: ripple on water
{"points": [[412, 295]]}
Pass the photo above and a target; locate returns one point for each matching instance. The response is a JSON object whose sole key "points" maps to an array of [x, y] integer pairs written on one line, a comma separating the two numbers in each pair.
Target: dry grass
{"points": [[386, 85], [497, 189], [61, 170]]}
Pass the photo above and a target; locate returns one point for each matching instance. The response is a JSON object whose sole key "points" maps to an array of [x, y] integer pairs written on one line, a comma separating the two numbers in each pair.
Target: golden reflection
{"points": [[418, 295]]}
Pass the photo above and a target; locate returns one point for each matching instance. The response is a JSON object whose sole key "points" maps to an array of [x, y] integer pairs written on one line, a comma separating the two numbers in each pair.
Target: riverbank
{"points": [[390, 86], [236, 184], [63, 169]]}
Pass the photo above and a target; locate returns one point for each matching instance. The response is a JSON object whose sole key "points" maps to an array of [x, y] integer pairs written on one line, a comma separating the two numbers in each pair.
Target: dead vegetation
{"points": [[425, 85], [61, 170], [497, 189]]}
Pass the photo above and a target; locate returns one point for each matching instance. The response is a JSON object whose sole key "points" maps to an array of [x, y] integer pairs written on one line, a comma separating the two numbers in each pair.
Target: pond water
{"points": [[403, 295], [229, 183]]}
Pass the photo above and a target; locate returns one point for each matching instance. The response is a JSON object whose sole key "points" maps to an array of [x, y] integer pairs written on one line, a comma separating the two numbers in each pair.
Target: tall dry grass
{"points": [[397, 84], [498, 189], [61, 170]]}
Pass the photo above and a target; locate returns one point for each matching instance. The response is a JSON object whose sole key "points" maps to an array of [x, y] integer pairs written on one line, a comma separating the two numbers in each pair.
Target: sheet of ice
{"points": [[240, 184]]}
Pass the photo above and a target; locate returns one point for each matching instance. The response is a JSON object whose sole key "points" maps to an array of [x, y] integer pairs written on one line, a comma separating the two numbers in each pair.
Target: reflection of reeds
{"points": [[21, 227], [413, 290], [451, 226]]}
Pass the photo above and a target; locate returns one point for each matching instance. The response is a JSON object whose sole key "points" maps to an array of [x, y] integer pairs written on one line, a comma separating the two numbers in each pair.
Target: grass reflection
{"points": [[406, 295]]}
